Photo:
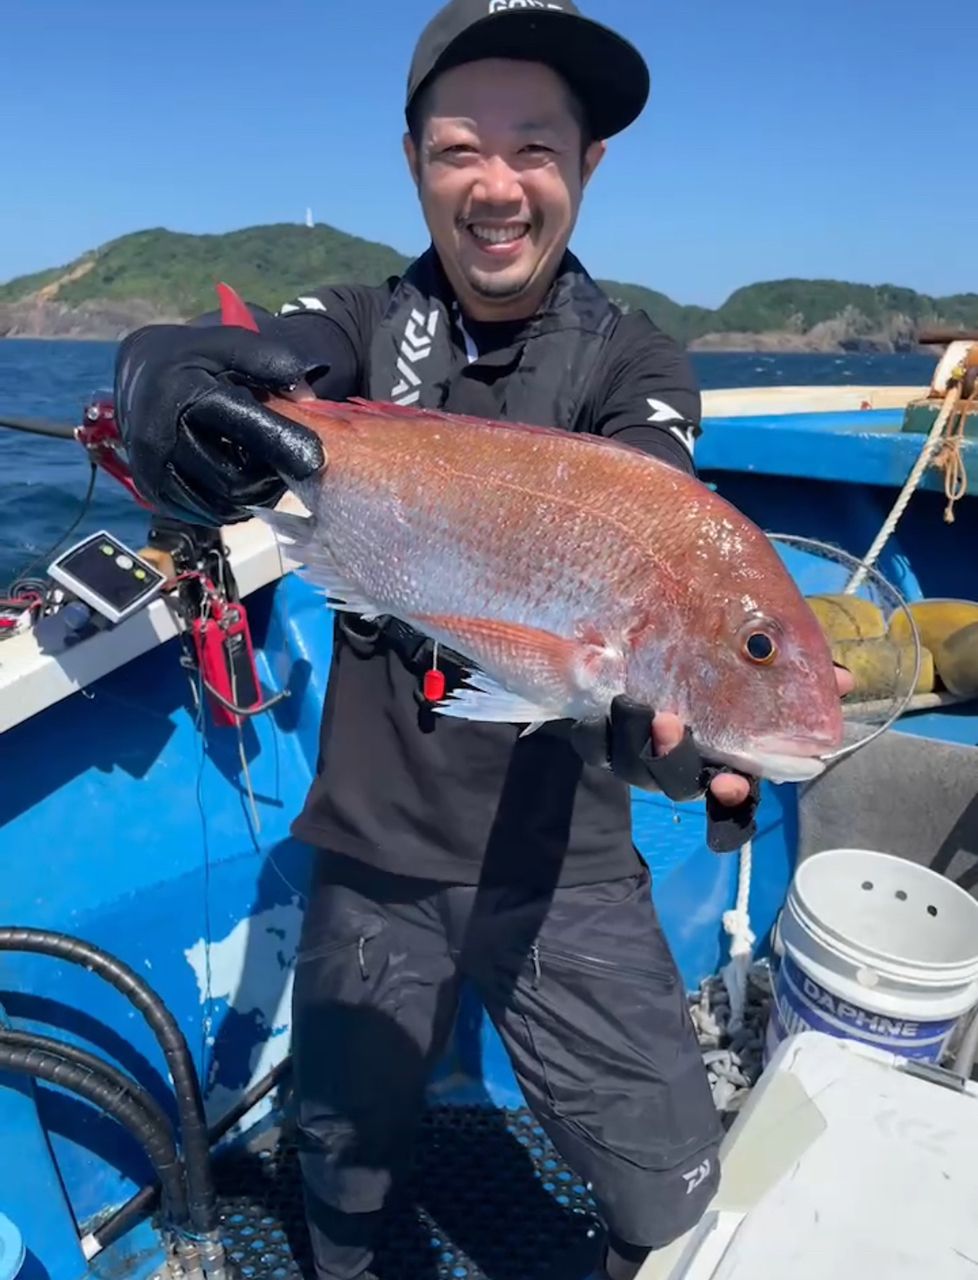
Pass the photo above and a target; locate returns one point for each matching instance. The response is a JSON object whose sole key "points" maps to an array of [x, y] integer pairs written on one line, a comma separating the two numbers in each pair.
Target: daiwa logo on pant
{"points": [[418, 335], [696, 1177]]}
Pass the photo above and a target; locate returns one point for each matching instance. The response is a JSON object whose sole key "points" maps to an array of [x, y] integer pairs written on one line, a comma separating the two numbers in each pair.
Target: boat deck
{"points": [[488, 1199], [488, 1196]]}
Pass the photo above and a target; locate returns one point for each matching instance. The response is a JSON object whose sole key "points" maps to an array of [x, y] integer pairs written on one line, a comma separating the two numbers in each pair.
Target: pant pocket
{"points": [[354, 1105], [651, 968], [611, 1054], [370, 1001]]}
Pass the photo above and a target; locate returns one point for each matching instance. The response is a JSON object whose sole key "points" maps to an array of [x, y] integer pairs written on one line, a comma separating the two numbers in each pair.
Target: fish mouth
{"points": [[780, 759]]}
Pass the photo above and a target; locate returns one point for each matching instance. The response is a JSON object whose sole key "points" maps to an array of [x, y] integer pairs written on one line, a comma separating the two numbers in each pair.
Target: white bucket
{"points": [[874, 948], [12, 1251]]}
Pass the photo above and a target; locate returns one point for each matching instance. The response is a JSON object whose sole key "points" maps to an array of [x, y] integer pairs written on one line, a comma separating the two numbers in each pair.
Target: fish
{"points": [[567, 569]]}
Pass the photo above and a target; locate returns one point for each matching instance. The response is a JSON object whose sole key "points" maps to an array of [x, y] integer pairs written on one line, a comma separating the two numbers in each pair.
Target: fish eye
{"points": [[760, 647]]}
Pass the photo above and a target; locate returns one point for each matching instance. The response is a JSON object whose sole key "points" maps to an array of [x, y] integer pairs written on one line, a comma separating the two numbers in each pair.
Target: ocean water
{"points": [[43, 481]]}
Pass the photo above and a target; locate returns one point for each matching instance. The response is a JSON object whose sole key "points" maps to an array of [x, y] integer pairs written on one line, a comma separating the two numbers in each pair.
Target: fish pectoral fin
{"points": [[292, 529], [486, 699], [316, 563], [532, 728], [558, 667]]}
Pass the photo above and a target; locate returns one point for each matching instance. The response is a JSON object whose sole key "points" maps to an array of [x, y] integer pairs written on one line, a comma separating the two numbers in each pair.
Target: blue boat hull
{"points": [[126, 826]]}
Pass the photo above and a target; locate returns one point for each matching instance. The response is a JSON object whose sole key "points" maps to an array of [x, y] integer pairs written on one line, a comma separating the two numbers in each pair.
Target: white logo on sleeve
{"points": [[662, 413], [303, 304]]}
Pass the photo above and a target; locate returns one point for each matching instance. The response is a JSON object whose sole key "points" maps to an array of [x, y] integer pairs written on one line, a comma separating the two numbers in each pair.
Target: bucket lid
{"points": [[938, 927], [12, 1251]]}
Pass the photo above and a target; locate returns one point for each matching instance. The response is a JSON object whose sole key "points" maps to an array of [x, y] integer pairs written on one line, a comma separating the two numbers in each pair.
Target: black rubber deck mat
{"points": [[488, 1199]]}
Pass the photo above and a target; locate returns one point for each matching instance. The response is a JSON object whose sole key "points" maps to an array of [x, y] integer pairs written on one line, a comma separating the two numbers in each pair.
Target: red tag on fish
{"points": [[433, 685]]}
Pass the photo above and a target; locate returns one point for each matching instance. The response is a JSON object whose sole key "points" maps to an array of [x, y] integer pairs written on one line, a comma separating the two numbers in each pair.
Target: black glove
{"points": [[201, 447], [623, 744]]}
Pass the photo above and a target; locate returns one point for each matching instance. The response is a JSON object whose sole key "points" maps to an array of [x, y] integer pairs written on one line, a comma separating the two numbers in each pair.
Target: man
{"points": [[450, 848]]}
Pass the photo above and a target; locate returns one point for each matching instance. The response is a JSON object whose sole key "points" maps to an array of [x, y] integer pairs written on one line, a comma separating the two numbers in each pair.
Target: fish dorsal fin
{"points": [[409, 412], [349, 410]]}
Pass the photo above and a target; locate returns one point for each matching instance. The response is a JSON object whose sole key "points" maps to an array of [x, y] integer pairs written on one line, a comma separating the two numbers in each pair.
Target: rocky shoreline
{"points": [[151, 275], [91, 321], [109, 322], [799, 343], [849, 331]]}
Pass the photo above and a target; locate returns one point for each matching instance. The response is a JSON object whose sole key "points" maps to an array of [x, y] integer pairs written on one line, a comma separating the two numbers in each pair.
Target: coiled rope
{"points": [[934, 438], [949, 457]]}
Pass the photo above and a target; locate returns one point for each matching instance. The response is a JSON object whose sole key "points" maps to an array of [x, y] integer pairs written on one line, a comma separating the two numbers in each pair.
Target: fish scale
{"points": [[568, 569], [481, 545]]}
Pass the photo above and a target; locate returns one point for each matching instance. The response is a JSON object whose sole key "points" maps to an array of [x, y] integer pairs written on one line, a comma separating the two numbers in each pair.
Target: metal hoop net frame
{"points": [[822, 569]]}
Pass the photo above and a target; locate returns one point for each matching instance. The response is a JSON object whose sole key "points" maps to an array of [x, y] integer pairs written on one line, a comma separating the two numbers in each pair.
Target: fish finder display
{"points": [[107, 575]]}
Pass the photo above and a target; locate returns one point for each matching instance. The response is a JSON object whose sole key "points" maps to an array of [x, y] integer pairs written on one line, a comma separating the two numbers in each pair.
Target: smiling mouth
{"points": [[490, 235]]}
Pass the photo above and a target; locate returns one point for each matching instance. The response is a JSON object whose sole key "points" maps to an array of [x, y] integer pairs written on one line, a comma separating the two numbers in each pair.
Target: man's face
{"points": [[500, 175]]}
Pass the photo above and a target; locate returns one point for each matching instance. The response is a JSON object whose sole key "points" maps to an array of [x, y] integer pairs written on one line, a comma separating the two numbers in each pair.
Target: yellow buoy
{"points": [[956, 660], [949, 629], [882, 669], [935, 620], [844, 617]]}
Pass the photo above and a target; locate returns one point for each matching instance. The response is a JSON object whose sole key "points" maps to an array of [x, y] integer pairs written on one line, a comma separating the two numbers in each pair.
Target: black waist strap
{"points": [[415, 650]]}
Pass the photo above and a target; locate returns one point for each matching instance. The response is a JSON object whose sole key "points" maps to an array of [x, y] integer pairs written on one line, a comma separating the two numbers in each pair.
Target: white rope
{"points": [[906, 493], [736, 924]]}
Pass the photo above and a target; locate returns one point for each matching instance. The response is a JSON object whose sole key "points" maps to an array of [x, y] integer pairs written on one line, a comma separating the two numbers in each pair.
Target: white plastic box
{"points": [[845, 1164]]}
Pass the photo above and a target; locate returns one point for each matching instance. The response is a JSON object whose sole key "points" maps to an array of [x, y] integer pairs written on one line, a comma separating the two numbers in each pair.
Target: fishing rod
{"points": [[39, 427], [98, 435], [179, 556]]}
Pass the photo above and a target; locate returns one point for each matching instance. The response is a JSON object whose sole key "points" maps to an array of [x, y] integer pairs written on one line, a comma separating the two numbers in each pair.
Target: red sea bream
{"points": [[568, 569]]}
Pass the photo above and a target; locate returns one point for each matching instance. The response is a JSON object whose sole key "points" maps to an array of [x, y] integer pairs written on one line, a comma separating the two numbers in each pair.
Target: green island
{"points": [[160, 275]]}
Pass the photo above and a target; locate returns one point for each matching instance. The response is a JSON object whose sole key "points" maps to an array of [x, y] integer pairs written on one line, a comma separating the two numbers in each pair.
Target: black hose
{"points": [[250, 1098], [123, 1084], [202, 1204], [41, 1065], [129, 1214]]}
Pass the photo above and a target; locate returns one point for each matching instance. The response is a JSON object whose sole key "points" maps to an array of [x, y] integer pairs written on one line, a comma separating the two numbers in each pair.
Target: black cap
{"points": [[608, 74]]}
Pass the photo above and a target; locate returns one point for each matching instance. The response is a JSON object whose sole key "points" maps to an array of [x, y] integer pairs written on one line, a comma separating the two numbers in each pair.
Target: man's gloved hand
{"points": [[201, 447], [624, 743], [655, 753]]}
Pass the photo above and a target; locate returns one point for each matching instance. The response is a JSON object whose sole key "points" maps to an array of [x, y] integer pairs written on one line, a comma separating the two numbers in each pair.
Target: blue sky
{"points": [[782, 138]]}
